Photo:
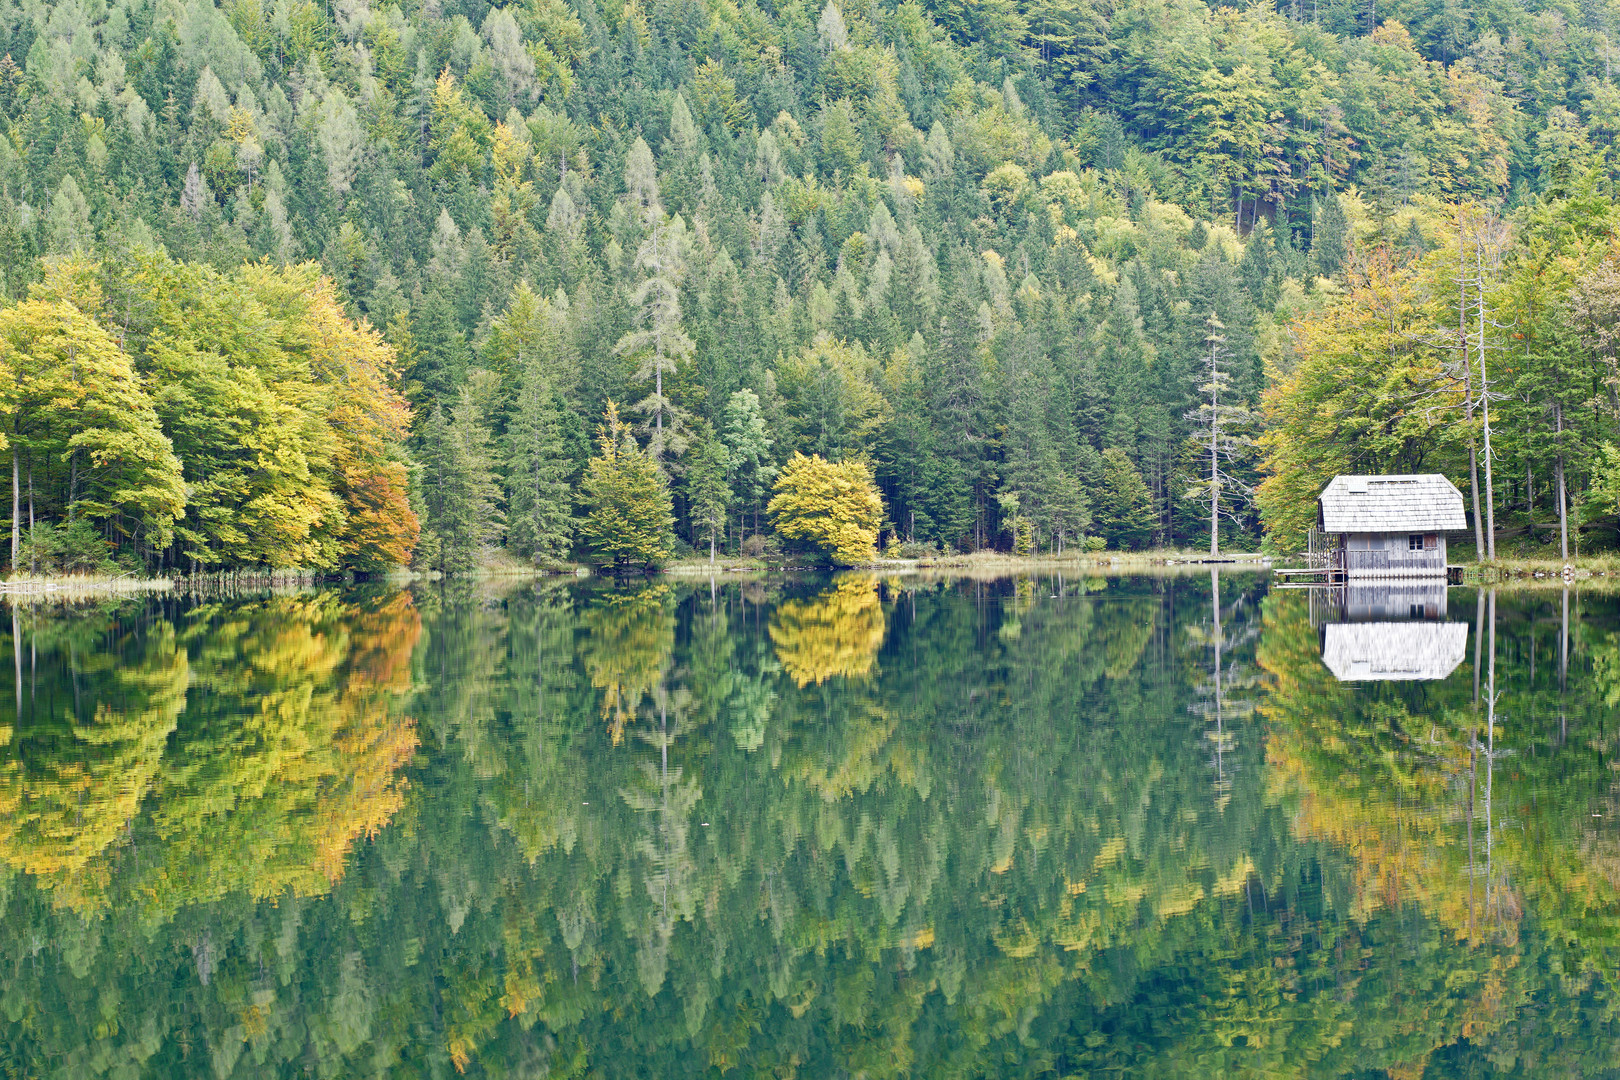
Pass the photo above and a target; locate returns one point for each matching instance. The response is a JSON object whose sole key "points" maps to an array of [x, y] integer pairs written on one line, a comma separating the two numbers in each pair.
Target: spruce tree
{"points": [[460, 495], [706, 489], [439, 355], [539, 498], [1328, 234], [1122, 504]]}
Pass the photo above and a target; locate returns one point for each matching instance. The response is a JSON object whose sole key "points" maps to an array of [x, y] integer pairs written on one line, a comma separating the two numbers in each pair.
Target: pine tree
{"points": [[629, 517], [539, 498]]}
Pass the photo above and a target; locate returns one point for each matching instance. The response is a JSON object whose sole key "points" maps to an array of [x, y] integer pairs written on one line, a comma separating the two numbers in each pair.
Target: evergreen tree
{"points": [[1329, 233], [460, 491], [1218, 431], [1122, 505], [439, 354], [707, 492], [539, 498]]}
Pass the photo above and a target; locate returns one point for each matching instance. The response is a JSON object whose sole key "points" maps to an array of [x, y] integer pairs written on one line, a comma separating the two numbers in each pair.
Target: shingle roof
{"points": [[1387, 651], [1421, 502]]}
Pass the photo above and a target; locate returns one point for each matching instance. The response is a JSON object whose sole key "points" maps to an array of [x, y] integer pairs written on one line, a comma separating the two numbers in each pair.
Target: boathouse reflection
{"points": [[1388, 631]]}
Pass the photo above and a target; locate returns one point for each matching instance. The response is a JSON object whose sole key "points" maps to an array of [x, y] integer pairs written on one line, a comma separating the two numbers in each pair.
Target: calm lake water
{"points": [[814, 828]]}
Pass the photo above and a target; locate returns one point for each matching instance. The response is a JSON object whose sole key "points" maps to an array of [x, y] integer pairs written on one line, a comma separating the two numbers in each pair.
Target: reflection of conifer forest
{"points": [[1020, 828]]}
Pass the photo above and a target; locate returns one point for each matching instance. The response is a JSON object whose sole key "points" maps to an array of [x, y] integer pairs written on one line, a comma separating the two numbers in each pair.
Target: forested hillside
{"points": [[991, 255]]}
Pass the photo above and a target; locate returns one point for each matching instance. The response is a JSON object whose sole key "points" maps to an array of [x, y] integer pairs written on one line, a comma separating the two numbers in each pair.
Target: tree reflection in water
{"points": [[1037, 827]]}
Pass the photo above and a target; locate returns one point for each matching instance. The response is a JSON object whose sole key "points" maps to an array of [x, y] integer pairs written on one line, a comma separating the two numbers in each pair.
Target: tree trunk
{"points": [[1530, 497], [1473, 485], [33, 550], [1485, 406], [1563, 504], [1468, 392], [16, 509]]}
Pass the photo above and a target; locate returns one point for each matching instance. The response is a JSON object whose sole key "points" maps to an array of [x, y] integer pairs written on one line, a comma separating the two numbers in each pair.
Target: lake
{"points": [[1159, 826]]}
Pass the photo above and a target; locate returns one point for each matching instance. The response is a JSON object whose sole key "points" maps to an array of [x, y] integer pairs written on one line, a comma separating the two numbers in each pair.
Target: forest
{"points": [[351, 286]]}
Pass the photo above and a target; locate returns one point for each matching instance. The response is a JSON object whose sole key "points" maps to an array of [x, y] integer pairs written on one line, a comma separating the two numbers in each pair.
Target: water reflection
{"points": [[176, 755], [1387, 631], [833, 827]]}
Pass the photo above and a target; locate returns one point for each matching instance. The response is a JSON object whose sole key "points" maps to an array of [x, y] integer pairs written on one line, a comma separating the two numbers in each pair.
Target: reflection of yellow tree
{"points": [[286, 752], [631, 637], [1387, 786], [294, 750], [68, 789], [838, 632]]}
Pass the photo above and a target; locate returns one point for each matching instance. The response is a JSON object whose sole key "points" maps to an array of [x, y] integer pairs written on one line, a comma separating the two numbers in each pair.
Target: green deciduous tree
{"points": [[75, 410], [748, 447], [628, 515]]}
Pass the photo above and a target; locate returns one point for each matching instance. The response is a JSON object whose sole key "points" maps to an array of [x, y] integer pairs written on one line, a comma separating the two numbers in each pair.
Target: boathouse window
{"points": [[1414, 542], [1431, 542]]}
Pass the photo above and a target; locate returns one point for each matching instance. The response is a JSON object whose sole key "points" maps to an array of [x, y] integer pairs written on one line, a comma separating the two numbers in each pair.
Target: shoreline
{"points": [[1517, 573]]}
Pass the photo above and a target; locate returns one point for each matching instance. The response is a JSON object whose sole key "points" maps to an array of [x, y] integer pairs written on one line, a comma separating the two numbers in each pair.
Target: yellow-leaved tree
{"points": [[833, 507], [80, 429]]}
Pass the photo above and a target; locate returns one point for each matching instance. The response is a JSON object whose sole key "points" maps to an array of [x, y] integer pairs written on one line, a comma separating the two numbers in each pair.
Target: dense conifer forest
{"points": [[354, 285]]}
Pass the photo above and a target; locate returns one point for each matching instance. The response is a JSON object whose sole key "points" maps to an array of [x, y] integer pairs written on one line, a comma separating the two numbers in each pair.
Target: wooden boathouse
{"points": [[1385, 526]]}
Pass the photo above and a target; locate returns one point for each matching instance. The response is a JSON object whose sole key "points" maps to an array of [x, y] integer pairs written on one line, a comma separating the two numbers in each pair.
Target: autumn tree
{"points": [[75, 410], [830, 507]]}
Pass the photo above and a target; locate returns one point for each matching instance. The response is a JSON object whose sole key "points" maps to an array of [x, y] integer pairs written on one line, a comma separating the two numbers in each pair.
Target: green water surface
{"points": [[810, 828]]}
